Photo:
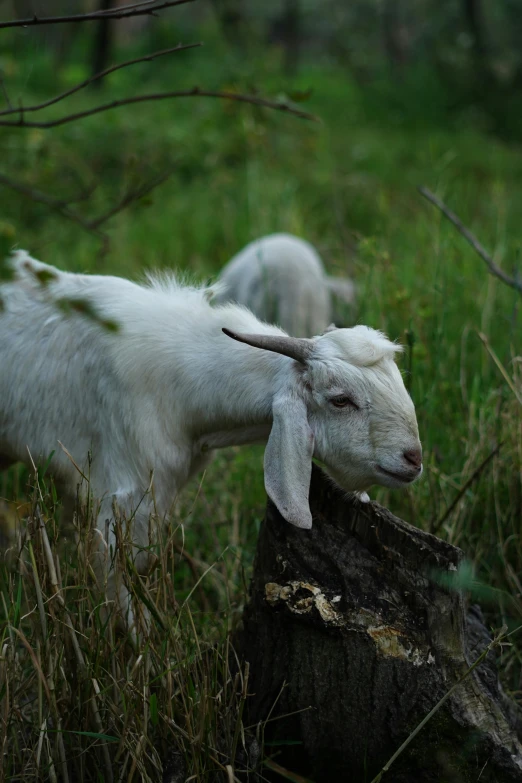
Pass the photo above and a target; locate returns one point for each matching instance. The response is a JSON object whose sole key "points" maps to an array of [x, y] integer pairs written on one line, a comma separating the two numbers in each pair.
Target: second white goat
{"points": [[171, 385], [281, 278]]}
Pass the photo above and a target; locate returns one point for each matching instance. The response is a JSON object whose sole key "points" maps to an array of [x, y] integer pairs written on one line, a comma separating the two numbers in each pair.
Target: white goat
{"points": [[281, 278], [171, 385]]}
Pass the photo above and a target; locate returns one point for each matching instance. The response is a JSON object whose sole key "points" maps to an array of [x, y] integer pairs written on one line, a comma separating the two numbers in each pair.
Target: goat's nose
{"points": [[414, 457]]}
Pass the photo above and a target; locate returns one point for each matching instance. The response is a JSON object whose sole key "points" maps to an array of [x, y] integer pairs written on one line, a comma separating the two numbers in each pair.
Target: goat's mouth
{"points": [[402, 477]]}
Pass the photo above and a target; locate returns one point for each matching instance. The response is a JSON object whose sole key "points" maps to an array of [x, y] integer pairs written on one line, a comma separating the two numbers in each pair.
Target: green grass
{"points": [[347, 184]]}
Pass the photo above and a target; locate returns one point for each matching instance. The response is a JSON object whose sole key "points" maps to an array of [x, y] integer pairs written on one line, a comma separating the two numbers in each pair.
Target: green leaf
{"points": [[93, 734], [153, 706], [86, 308], [17, 605], [7, 238], [44, 276], [46, 466], [300, 96]]}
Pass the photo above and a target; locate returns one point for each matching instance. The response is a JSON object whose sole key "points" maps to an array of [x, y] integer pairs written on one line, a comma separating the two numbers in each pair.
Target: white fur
{"points": [[169, 386], [281, 278]]}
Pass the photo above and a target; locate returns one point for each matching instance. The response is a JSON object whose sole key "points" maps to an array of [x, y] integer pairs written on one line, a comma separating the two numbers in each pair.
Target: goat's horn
{"points": [[297, 348]]}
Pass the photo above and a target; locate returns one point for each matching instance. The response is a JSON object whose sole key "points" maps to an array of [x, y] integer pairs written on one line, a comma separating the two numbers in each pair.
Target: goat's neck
{"points": [[238, 436], [234, 405]]}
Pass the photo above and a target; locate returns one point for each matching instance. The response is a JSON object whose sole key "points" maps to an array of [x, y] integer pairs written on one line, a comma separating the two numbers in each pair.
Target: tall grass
{"points": [[82, 701], [79, 701]]}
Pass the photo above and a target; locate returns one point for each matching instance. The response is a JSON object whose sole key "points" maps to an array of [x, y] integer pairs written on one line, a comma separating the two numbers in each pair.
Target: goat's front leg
{"points": [[121, 535]]}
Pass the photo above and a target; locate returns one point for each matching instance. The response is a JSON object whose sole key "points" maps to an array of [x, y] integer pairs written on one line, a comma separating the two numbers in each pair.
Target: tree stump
{"points": [[352, 634]]}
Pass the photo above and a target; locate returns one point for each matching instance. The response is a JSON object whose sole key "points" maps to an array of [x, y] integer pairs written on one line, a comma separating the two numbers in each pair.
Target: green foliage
{"points": [[82, 306]]}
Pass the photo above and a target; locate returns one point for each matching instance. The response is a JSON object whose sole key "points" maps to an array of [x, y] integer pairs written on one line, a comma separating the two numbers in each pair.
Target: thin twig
{"points": [[473, 241], [159, 96], [239, 720], [130, 197], [4, 90], [84, 195], [500, 366], [141, 3], [38, 589], [100, 75], [195, 573], [137, 9], [62, 208], [62, 754], [462, 491], [35, 661], [57, 205], [285, 773]]}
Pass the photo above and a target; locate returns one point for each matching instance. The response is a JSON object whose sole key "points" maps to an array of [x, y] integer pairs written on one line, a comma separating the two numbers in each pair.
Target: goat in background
{"points": [[282, 279]]}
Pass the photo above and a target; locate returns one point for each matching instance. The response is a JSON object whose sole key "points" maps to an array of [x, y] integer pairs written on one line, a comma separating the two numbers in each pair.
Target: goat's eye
{"points": [[343, 401]]}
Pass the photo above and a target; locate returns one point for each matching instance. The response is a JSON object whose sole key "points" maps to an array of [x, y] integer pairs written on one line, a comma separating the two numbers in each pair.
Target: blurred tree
{"points": [[230, 14], [394, 38], [514, 29], [103, 40], [474, 17], [286, 29]]}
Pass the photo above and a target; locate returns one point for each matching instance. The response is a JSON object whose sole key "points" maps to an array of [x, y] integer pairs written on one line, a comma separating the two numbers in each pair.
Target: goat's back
{"points": [[281, 278]]}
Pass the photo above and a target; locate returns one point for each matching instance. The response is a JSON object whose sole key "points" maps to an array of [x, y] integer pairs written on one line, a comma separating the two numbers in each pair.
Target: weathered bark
{"points": [[351, 624]]}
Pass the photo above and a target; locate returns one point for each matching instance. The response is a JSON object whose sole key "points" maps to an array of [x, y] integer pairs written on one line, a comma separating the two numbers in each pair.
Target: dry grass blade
{"points": [[471, 238], [69, 455], [63, 756], [239, 723], [230, 774], [87, 690], [38, 589], [460, 494], [500, 366], [74, 640], [285, 773], [35, 661]]}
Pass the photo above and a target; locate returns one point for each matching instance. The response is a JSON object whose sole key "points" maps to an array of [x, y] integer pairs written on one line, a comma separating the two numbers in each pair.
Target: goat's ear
{"points": [[288, 461], [331, 328]]}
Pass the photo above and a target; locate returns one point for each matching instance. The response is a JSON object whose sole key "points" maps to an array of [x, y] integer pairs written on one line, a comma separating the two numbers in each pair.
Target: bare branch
{"points": [[56, 205], [62, 207], [141, 3], [4, 90], [473, 241], [137, 9], [101, 75], [83, 195], [130, 197], [159, 96]]}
